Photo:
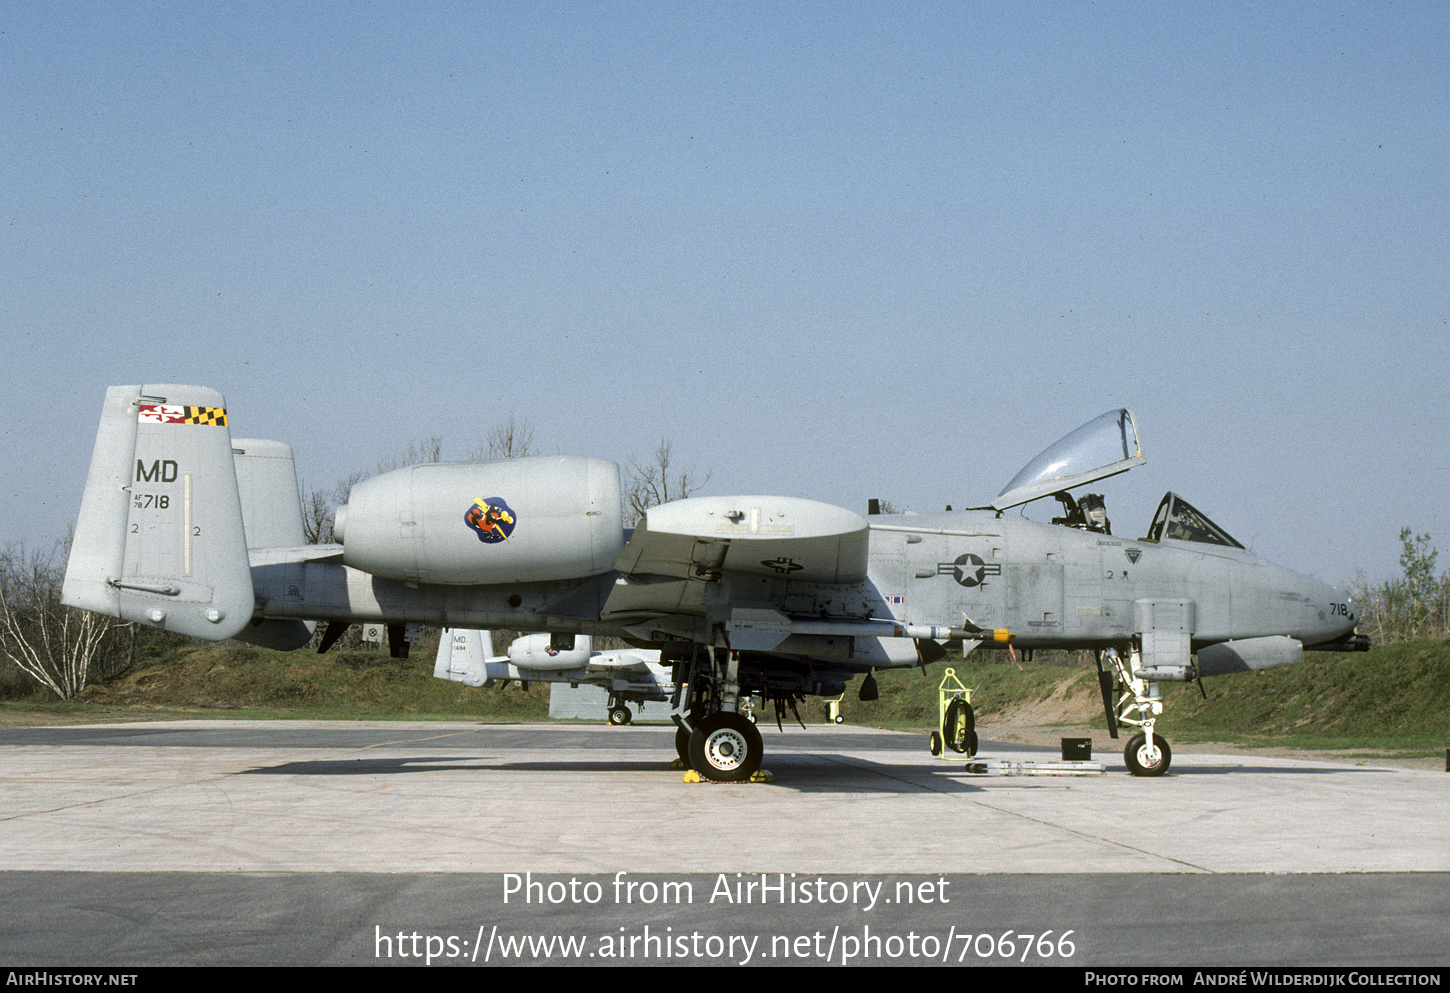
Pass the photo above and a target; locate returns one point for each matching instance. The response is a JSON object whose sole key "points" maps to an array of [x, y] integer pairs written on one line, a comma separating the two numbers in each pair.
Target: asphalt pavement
{"points": [[248, 842]]}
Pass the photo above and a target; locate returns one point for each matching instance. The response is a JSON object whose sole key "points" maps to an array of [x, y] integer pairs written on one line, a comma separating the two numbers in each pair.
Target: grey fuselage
{"points": [[1050, 585], [1056, 586]]}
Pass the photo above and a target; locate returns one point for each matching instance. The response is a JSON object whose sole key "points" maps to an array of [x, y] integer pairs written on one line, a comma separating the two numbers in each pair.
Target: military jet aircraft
{"points": [[187, 529], [631, 676]]}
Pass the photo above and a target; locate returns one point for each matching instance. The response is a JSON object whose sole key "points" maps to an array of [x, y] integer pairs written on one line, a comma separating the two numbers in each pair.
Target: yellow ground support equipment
{"points": [[955, 738]]}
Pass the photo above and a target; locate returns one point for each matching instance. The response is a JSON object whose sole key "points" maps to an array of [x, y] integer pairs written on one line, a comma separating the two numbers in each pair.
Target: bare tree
{"points": [[317, 514], [418, 452], [319, 509], [651, 483], [343, 489], [510, 439], [51, 642]]}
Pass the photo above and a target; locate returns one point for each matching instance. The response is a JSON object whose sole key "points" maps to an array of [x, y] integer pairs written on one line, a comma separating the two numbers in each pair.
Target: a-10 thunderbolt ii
{"points": [[187, 529], [631, 675]]}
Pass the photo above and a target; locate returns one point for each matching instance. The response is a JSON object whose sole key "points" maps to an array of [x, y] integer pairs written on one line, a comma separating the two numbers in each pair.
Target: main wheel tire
{"points": [[959, 726], [726, 748], [620, 715], [682, 745], [1140, 762]]}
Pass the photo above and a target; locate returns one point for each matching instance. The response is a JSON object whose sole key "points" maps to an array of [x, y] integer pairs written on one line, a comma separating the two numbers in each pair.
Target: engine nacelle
{"points": [[514, 521], [538, 652]]}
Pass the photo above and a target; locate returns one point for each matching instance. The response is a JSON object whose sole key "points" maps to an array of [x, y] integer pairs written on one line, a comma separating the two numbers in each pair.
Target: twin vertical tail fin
{"points": [[464, 657], [160, 538]]}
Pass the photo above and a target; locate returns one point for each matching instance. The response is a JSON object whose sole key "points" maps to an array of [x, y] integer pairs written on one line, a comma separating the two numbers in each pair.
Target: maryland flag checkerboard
{"points": [[166, 413]]}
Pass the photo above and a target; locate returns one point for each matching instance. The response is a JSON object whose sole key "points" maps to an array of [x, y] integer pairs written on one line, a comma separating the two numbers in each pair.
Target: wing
{"points": [[753, 535], [700, 560]]}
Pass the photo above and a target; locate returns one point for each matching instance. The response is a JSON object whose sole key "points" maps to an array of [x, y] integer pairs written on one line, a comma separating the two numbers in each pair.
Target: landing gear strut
{"points": [[1140, 703]]}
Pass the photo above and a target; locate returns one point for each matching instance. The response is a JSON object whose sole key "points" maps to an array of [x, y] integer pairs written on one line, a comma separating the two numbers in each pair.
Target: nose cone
{"points": [[1302, 607], [1334, 617], [1351, 611]]}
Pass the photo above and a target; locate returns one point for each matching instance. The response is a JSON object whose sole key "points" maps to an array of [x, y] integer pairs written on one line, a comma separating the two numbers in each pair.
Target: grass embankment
{"points": [[174, 678], [1395, 696]]}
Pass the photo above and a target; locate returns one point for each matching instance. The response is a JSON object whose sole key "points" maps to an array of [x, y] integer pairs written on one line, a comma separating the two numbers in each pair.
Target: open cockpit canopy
{"points": [[1178, 519], [1104, 446]]}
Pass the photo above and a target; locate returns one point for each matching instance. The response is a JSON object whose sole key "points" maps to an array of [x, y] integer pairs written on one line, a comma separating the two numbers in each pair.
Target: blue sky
{"points": [[835, 250]]}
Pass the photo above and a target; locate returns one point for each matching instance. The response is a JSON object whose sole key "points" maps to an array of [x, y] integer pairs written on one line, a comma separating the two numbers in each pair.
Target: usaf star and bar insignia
{"points": [[969, 569]]}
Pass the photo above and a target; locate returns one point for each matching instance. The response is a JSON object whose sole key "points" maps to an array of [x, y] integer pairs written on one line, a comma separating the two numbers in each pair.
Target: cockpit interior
{"points": [[1178, 519]]}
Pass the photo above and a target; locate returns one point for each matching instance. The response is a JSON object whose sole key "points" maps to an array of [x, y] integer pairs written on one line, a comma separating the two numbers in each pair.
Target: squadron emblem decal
{"points": [[491, 518], [968, 570]]}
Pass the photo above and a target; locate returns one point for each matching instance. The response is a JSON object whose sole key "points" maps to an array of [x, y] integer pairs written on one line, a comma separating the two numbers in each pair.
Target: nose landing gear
{"points": [[1140, 703], [1144, 760]]}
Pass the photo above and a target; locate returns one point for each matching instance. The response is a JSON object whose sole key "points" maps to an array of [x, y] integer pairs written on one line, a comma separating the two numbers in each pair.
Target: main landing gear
{"points": [[1139, 704], [726, 748], [715, 739]]}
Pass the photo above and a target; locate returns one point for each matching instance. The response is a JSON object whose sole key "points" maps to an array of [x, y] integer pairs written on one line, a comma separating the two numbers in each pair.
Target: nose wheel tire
{"points": [[1144, 762], [726, 748]]}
